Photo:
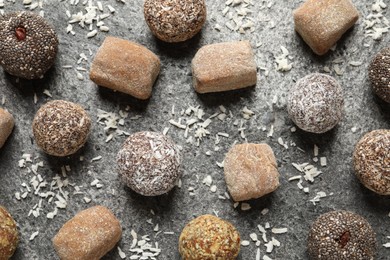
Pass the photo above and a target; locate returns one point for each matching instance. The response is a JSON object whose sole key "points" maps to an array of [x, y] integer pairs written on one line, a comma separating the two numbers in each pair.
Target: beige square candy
{"points": [[89, 235], [250, 171], [224, 66], [6, 125], [125, 66], [321, 23]]}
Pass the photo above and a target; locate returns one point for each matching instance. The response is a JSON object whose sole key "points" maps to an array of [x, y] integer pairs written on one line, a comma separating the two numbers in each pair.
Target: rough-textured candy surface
{"points": [[379, 73], [316, 103], [149, 163], [61, 127], [341, 235], [250, 171], [6, 125], [209, 238], [9, 237], [175, 20], [372, 161]]}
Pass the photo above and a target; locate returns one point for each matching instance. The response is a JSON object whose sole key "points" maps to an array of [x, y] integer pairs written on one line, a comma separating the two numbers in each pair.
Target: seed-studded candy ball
{"points": [[149, 163], [341, 235], [9, 237], [175, 20], [316, 103], [208, 237], [371, 160], [28, 45], [379, 73], [61, 128]]}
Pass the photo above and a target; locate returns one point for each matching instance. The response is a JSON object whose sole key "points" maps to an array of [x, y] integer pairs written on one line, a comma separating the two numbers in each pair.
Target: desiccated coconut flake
{"points": [[245, 243], [34, 235], [121, 253], [245, 206], [279, 230]]}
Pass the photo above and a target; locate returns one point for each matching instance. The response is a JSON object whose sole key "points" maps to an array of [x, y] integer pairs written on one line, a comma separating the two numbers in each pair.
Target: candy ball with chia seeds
{"points": [[316, 103], [28, 45], [341, 235], [61, 127], [371, 160], [379, 73], [149, 163], [175, 20], [209, 238]]}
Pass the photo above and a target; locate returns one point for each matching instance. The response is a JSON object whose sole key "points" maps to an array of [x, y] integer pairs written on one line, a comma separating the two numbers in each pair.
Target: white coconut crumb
{"points": [[236, 204], [264, 211], [213, 188], [355, 63], [245, 206], [34, 235], [265, 257], [258, 256], [318, 197], [245, 243], [279, 230], [306, 190], [121, 253], [208, 180], [253, 236], [97, 158], [323, 161], [269, 247], [282, 63], [387, 245]]}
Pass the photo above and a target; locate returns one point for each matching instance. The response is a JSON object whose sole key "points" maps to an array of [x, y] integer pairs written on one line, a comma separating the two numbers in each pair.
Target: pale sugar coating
{"points": [[61, 127], [372, 161], [9, 237], [175, 20], [322, 23], [316, 103], [250, 171], [7, 123], [379, 73], [89, 235], [341, 235], [149, 163], [125, 66], [224, 66], [209, 238]]}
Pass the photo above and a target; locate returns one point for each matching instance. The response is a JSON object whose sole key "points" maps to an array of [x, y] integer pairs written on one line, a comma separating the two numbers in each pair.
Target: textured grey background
{"points": [[289, 207]]}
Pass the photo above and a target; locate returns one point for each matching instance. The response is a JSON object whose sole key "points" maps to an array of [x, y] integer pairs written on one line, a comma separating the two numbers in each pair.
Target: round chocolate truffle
{"points": [[208, 237], [175, 20], [316, 103], [9, 237], [379, 73], [149, 163], [341, 235], [28, 45], [371, 160], [61, 128]]}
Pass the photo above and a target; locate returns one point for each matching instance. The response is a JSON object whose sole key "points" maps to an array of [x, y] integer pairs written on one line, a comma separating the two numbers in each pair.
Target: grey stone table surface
{"points": [[288, 206]]}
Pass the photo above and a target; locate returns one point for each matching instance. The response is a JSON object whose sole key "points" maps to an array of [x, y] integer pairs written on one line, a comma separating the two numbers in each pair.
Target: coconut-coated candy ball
{"points": [[209, 238], [61, 127], [9, 237], [379, 73], [149, 163], [28, 44], [371, 160], [175, 20], [316, 103], [341, 235]]}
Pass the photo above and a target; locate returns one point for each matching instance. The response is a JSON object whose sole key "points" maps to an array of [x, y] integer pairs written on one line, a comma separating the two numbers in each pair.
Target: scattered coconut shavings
{"points": [[309, 171], [318, 197], [376, 24], [112, 122], [238, 13], [142, 248], [282, 63]]}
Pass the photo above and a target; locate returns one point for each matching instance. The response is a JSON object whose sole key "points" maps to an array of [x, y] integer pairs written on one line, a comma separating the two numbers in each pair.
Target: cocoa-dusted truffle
{"points": [[149, 163], [61, 127], [28, 45], [208, 237], [9, 237], [371, 160], [175, 20], [379, 73], [341, 235], [316, 103]]}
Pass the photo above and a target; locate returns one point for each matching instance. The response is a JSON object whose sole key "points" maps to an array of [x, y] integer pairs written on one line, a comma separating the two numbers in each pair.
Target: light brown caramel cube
{"points": [[224, 66], [7, 123], [321, 23], [250, 171], [89, 235], [125, 66]]}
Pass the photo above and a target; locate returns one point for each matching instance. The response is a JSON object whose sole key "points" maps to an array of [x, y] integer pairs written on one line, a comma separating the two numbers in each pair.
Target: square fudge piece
{"points": [[125, 66], [321, 23], [250, 171], [224, 66]]}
